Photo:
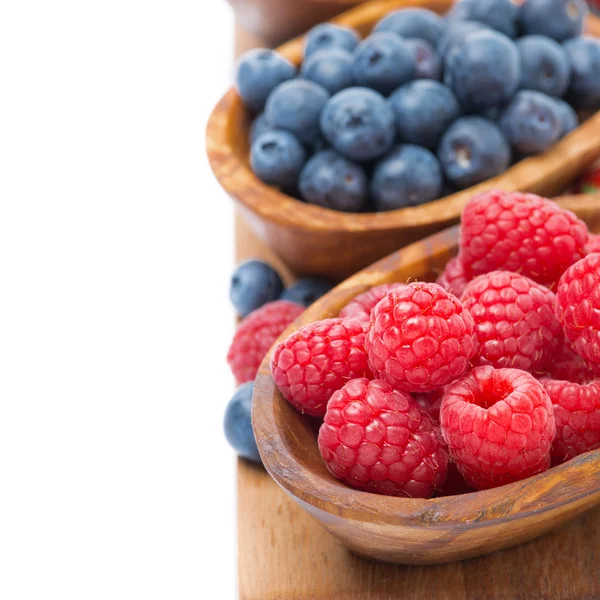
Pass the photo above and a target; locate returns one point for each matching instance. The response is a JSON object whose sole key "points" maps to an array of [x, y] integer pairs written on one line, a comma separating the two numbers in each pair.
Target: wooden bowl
{"points": [[402, 530], [315, 240]]}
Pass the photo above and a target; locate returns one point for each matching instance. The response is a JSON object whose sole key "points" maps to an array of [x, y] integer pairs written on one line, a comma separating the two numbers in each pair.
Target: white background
{"points": [[115, 254]]}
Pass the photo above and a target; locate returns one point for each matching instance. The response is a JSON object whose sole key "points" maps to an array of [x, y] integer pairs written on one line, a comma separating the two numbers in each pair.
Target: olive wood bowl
{"points": [[315, 240], [403, 530]]}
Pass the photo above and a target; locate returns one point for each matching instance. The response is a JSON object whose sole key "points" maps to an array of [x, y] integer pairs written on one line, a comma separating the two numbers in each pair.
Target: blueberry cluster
{"points": [[423, 106]]}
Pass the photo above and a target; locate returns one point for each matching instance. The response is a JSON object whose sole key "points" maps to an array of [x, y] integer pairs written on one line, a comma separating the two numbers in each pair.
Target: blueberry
{"points": [[544, 65], [327, 35], [359, 123], [408, 176], [456, 32], [331, 69], [332, 181], [424, 109], [238, 423], [259, 126], [428, 64], [473, 150], [277, 157], [382, 62], [483, 69], [584, 55], [296, 106], [307, 290], [500, 15], [414, 23], [531, 122], [557, 19], [253, 284], [258, 73], [568, 117]]}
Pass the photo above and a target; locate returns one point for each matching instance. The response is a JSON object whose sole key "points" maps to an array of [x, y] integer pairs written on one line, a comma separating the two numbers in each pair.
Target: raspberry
{"points": [[566, 365], [519, 232], [453, 278], [317, 360], [431, 402], [361, 306], [499, 426], [593, 243], [579, 308], [514, 320], [420, 338], [375, 438], [256, 334]]}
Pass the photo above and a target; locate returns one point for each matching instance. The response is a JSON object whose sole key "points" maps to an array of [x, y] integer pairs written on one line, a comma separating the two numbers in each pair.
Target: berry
{"points": [[256, 334], [482, 69], [362, 305], [514, 320], [499, 426], [565, 365], [428, 64], [407, 176], [556, 19], [413, 23], [522, 233], [306, 290], [258, 73], [359, 123], [331, 69], [383, 62], [568, 117], [296, 106], [420, 337], [593, 243], [259, 126], [253, 284], [424, 109], [238, 423], [500, 15], [456, 32], [584, 55], [334, 182], [277, 157], [431, 402], [453, 278], [317, 360], [472, 150], [327, 36], [376, 439]]}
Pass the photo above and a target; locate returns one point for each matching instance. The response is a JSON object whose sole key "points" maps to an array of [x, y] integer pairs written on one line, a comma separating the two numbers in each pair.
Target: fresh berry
{"points": [[253, 284], [238, 423], [359, 123], [456, 32], [277, 157], [376, 439], [256, 334], [584, 55], [556, 19], [568, 117], [383, 62], [259, 72], [420, 337], [593, 243], [334, 182], [499, 426], [431, 402], [482, 69], [500, 15], [327, 35], [317, 360], [514, 320], [453, 278], [565, 365], [413, 23], [361, 306], [424, 109], [259, 126], [544, 65], [306, 290], [472, 150], [428, 64], [331, 69], [520, 232]]}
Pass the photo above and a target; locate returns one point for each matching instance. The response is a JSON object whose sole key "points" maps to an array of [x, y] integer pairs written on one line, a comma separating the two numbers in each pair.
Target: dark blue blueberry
{"points": [[531, 122], [359, 123], [331, 69], [253, 284], [456, 32], [259, 126], [500, 15], [277, 157], [407, 176], [414, 23], [383, 62], [424, 109], [473, 150], [332, 181], [327, 35], [482, 70], [258, 73], [557, 19], [238, 423], [544, 65], [584, 55], [428, 64], [307, 290], [568, 116]]}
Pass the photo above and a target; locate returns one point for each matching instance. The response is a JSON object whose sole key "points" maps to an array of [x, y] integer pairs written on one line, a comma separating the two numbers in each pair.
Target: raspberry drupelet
{"points": [[361, 306], [453, 278]]}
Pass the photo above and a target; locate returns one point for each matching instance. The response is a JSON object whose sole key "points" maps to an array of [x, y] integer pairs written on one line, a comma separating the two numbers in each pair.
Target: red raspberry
{"points": [[375, 438], [317, 360], [420, 338], [514, 320], [256, 334], [566, 365], [363, 304], [522, 233], [593, 243], [431, 402], [579, 308], [499, 426], [453, 278]]}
